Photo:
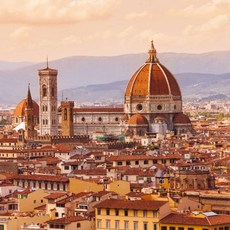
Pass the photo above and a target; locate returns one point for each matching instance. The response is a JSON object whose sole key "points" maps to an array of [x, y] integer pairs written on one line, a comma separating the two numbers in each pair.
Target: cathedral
{"points": [[152, 104]]}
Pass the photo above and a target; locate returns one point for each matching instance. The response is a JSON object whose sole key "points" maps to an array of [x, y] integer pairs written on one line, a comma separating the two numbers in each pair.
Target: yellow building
{"points": [[130, 214], [28, 202], [195, 221], [118, 186]]}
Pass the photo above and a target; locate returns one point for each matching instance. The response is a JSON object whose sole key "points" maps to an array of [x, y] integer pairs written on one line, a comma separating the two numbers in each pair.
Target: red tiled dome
{"points": [[181, 119], [160, 117], [152, 79], [20, 109], [137, 119]]}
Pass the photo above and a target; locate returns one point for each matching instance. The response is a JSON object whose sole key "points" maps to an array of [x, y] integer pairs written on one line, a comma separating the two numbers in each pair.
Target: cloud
{"points": [[134, 15], [55, 12], [211, 26]]}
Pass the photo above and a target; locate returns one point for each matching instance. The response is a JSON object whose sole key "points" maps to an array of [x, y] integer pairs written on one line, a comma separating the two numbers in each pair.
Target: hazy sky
{"points": [[32, 29]]}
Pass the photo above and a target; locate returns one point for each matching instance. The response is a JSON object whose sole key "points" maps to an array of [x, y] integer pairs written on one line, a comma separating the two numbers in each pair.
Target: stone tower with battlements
{"points": [[48, 101], [67, 118]]}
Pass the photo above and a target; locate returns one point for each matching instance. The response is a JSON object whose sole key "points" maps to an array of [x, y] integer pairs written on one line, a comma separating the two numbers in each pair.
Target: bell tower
{"points": [[29, 117], [67, 118], [48, 101]]}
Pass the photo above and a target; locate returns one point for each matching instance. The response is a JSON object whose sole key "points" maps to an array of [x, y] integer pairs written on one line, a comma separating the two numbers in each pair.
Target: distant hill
{"points": [[80, 71], [202, 87]]}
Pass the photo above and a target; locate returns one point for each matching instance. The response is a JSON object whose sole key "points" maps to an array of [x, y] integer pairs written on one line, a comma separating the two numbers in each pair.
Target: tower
{"points": [[67, 118], [29, 116], [48, 101]]}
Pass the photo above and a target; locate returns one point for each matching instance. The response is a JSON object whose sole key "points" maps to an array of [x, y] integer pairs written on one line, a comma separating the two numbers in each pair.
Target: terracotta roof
{"points": [[143, 157], [20, 108], [99, 110], [42, 178], [130, 204], [137, 119], [66, 220], [152, 79], [160, 117], [181, 119], [97, 171], [55, 195], [176, 218]]}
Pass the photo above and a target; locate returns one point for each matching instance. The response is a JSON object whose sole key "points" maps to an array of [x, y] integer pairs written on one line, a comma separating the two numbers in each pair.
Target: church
{"points": [[152, 104]]}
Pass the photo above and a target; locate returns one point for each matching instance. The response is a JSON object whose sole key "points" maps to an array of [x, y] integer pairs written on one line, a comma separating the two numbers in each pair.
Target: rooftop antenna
{"points": [[47, 62], [62, 95]]}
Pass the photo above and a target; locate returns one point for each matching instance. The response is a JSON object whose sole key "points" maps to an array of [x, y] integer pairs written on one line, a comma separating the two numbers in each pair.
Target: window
{"points": [[78, 225], [44, 91], [117, 212], [64, 187], [128, 163], [135, 225], [144, 213], [100, 119], [154, 214], [126, 212], [117, 224], [116, 119], [52, 92], [154, 226], [163, 161], [126, 225], [180, 228], [56, 214], [159, 107], [34, 201], [13, 207], [163, 228], [82, 119], [119, 163], [190, 228], [146, 162], [173, 228], [1, 227], [107, 212], [66, 167], [108, 224], [154, 161], [98, 211], [136, 162], [98, 223], [145, 226], [139, 107], [135, 212]]}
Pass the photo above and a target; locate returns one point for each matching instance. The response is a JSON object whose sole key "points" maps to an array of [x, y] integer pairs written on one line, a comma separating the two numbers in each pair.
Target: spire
{"points": [[152, 58], [29, 100]]}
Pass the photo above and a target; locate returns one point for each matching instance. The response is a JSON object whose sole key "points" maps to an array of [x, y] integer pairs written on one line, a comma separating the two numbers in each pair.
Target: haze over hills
{"points": [[84, 78]]}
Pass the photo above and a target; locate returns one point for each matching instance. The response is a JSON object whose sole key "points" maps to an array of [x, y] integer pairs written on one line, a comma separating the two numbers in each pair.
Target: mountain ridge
{"points": [[78, 71]]}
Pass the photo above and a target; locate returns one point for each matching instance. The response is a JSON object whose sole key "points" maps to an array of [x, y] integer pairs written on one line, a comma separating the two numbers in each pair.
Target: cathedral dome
{"points": [[20, 109], [137, 119], [152, 79], [181, 119]]}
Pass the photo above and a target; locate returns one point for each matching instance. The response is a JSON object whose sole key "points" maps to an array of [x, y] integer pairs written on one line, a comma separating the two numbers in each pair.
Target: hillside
{"points": [[83, 70]]}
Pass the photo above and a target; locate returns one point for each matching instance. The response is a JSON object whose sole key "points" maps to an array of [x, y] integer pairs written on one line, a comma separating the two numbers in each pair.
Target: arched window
{"points": [[44, 91], [52, 92], [65, 114]]}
